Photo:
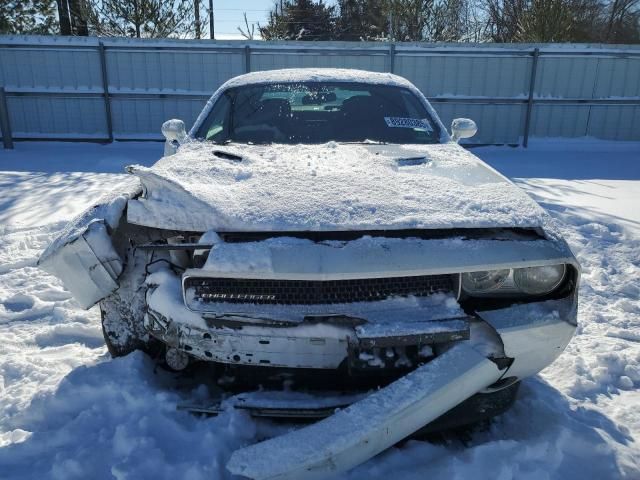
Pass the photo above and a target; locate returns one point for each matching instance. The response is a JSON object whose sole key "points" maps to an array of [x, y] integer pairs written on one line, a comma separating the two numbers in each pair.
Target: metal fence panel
{"points": [[141, 118], [89, 88], [170, 71], [615, 122], [477, 75], [57, 117], [29, 69], [565, 77], [617, 78], [559, 121]]}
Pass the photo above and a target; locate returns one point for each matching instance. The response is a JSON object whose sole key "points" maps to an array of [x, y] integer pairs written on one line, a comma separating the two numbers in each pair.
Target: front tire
{"points": [[121, 334]]}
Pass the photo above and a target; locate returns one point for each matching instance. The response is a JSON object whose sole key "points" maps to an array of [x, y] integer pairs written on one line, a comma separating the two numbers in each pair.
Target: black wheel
{"points": [[123, 335], [475, 411]]}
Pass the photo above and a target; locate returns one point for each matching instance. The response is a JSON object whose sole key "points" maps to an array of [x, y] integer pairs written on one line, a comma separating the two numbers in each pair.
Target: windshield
{"points": [[319, 112]]}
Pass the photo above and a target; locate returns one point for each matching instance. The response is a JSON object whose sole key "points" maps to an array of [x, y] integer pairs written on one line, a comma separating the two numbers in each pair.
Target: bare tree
{"points": [[248, 31], [504, 19], [623, 18], [196, 17], [545, 21], [63, 17]]}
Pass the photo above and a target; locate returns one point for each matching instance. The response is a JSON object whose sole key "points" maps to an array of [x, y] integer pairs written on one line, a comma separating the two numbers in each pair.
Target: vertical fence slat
{"points": [[392, 57], [105, 88], [7, 140], [247, 58], [532, 86]]}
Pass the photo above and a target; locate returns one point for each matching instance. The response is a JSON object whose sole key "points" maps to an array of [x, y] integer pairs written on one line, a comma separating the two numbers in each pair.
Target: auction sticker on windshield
{"points": [[402, 122]]}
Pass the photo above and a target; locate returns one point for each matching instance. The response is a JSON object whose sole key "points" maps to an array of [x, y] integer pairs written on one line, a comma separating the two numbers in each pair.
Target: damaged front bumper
{"points": [[523, 338]]}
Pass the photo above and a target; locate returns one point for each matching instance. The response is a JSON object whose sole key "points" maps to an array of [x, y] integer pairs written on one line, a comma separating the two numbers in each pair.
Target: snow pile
{"points": [[68, 411], [128, 428], [327, 187]]}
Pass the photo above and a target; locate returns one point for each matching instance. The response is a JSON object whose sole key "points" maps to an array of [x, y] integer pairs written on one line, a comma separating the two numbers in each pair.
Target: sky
{"points": [[228, 15]]}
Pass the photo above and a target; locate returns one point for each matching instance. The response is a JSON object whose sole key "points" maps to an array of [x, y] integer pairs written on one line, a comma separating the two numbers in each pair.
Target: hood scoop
{"points": [[412, 161], [227, 156]]}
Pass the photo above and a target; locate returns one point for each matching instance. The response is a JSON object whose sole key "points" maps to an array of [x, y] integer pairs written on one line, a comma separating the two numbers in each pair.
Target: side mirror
{"points": [[463, 128], [175, 133]]}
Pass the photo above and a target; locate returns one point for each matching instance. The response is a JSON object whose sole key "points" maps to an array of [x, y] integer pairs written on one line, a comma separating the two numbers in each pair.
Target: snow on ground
{"points": [[68, 411]]}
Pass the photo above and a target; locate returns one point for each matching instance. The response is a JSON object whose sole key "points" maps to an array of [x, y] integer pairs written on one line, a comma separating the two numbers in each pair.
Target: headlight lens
{"points": [[538, 280], [485, 281]]}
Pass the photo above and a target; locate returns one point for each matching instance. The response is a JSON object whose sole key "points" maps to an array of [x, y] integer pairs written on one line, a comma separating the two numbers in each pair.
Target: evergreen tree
{"points": [[28, 17], [142, 18], [300, 20], [362, 20]]}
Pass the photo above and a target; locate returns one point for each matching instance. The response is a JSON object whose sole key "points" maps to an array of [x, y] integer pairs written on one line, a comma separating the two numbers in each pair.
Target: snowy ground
{"points": [[68, 411]]}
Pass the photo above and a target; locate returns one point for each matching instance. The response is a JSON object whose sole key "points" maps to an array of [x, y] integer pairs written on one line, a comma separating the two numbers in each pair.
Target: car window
{"points": [[216, 123], [319, 112]]}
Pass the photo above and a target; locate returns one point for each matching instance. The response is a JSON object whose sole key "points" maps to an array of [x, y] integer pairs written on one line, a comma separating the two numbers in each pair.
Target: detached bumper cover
{"points": [[364, 429]]}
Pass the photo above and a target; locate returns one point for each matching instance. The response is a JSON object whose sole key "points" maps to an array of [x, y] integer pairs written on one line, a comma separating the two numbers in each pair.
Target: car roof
{"points": [[295, 75]]}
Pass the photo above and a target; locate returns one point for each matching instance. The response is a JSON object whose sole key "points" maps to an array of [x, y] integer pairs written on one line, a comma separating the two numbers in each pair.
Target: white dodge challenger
{"points": [[319, 234]]}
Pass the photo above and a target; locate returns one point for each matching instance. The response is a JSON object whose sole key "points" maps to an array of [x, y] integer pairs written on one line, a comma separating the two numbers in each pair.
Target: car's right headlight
{"points": [[539, 280]]}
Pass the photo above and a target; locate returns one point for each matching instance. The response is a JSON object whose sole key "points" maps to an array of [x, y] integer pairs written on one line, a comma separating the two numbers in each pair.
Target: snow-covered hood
{"points": [[327, 187]]}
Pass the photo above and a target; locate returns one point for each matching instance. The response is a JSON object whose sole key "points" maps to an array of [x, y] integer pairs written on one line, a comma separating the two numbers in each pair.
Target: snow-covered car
{"points": [[321, 229]]}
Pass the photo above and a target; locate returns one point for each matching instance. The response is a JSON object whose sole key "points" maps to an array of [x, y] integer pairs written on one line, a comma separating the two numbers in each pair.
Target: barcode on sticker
{"points": [[402, 122]]}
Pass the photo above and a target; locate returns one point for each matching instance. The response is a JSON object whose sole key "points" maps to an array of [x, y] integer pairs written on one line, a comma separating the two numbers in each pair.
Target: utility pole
{"points": [[211, 32]]}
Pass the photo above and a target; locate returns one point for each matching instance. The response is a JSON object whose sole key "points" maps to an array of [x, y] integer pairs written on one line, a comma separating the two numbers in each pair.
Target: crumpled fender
{"points": [[159, 191]]}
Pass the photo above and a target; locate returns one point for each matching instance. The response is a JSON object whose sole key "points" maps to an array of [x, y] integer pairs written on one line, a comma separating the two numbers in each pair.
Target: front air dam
{"points": [[353, 435]]}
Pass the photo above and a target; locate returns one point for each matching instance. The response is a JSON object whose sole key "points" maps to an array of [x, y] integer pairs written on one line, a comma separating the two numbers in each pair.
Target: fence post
{"points": [[532, 86], [247, 58], [392, 57], [4, 121], [105, 88]]}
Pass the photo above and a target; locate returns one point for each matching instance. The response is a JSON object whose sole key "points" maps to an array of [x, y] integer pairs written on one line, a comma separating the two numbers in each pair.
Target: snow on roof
{"points": [[294, 75]]}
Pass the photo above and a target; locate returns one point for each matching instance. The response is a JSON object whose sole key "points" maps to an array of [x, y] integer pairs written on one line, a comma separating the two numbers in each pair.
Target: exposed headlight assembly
{"points": [[484, 281], [538, 280], [505, 282]]}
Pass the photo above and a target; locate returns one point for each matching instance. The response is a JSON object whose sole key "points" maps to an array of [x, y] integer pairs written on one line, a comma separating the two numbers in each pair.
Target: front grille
{"points": [[305, 292]]}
